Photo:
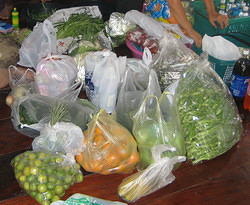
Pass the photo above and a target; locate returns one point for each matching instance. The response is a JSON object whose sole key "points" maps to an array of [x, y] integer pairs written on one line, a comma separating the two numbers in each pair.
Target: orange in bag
{"points": [[108, 147]]}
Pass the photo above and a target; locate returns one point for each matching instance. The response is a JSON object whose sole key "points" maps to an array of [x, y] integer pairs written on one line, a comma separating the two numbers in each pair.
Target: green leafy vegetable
{"points": [[80, 25], [209, 117]]}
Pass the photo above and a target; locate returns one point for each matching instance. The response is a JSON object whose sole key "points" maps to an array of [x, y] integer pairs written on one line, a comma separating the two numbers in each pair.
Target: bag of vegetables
{"points": [[108, 147], [154, 177], [156, 123], [208, 114], [45, 176], [32, 112], [139, 82]]}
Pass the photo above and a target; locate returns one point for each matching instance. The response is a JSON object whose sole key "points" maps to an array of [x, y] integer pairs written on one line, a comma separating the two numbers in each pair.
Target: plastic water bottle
{"points": [[241, 76], [15, 18], [222, 8]]}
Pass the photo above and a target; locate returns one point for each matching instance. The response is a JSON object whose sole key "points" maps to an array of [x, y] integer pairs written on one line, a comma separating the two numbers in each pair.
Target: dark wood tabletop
{"points": [[223, 180]]}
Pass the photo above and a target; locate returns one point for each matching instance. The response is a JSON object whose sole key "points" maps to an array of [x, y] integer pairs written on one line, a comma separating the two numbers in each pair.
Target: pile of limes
{"points": [[45, 176]]}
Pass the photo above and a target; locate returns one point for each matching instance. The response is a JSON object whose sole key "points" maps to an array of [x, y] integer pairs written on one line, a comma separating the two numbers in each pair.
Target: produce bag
{"points": [[156, 122], [45, 176], [154, 177], [139, 81], [104, 73], [33, 112], [40, 43], [209, 117], [55, 74], [108, 147], [21, 84], [81, 199], [172, 60], [62, 137], [220, 48]]}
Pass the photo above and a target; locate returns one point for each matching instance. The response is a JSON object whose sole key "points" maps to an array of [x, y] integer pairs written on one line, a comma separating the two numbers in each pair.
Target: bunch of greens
{"points": [[80, 25], [208, 114]]}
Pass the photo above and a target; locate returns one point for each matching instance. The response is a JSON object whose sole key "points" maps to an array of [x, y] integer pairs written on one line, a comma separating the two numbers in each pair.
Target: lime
{"points": [[42, 155], [55, 198], [26, 171], [34, 170], [42, 178], [49, 171], [42, 188], [33, 187], [59, 160], [50, 186], [18, 174], [26, 186], [59, 189], [38, 162], [39, 197], [31, 178], [22, 178], [68, 179], [45, 202], [52, 179], [20, 166], [31, 155], [33, 194], [48, 195], [79, 178], [66, 186]]}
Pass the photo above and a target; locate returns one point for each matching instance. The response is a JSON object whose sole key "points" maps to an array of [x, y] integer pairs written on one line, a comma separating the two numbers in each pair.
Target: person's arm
{"points": [[179, 14], [213, 16]]}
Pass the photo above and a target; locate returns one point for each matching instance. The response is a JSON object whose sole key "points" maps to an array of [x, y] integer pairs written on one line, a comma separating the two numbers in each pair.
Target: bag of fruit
{"points": [[45, 176], [108, 147]]}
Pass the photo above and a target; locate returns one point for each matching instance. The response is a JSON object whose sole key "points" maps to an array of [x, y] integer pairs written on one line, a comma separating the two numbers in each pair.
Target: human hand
{"points": [[196, 37], [222, 20]]}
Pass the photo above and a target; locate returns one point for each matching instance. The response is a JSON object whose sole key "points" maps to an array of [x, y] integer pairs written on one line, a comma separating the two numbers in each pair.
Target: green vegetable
{"points": [[150, 128], [209, 117], [80, 25], [45, 181]]}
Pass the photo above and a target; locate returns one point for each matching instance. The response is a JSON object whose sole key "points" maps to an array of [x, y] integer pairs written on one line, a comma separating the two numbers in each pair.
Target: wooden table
{"points": [[224, 180]]}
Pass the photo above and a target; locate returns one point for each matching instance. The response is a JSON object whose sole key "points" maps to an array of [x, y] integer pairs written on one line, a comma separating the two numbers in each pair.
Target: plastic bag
{"points": [[33, 112], [156, 122], [139, 81], [108, 147], [220, 48], [39, 44], [45, 176], [55, 74], [172, 60], [104, 72], [156, 176], [63, 137], [81, 199], [208, 114]]}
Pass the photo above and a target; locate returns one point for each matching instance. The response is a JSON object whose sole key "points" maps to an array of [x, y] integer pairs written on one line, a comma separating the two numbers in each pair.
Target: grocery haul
{"points": [[141, 116]]}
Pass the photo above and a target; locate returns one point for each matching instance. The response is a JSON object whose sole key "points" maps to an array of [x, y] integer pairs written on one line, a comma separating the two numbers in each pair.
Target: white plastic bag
{"points": [[154, 177], [55, 74], [220, 48], [104, 73], [139, 82], [39, 44], [63, 137]]}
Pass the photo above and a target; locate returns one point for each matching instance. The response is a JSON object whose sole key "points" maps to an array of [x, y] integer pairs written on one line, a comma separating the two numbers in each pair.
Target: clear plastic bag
{"points": [[156, 122], [104, 73], [21, 84], [209, 116], [55, 74], [154, 177], [108, 147], [33, 112], [139, 81], [45, 176], [63, 137], [172, 59], [39, 44]]}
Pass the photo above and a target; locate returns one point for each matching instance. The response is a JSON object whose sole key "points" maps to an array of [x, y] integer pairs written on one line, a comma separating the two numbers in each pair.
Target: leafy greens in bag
{"points": [[208, 114]]}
